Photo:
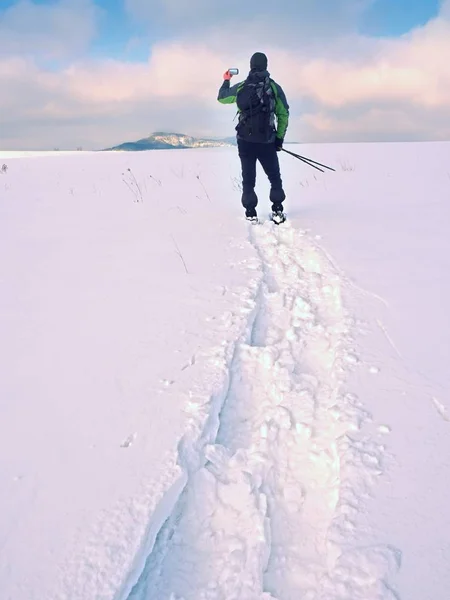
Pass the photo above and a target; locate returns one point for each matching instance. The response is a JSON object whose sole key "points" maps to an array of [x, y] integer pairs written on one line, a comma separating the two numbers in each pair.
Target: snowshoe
{"points": [[278, 217], [253, 219]]}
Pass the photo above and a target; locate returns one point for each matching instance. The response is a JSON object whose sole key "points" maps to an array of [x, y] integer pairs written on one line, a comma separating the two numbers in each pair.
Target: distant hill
{"points": [[170, 141]]}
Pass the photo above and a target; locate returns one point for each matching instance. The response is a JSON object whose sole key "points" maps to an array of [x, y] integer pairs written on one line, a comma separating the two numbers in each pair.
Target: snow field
{"points": [[191, 408], [104, 338]]}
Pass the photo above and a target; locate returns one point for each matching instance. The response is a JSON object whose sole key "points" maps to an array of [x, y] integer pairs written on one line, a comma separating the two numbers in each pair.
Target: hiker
{"points": [[259, 100]]}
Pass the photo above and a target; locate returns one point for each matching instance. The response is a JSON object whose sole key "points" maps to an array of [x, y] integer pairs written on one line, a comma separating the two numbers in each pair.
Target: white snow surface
{"points": [[196, 408]]}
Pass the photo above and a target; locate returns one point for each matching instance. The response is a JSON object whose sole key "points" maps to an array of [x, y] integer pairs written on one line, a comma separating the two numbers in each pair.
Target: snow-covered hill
{"points": [[193, 407], [170, 141]]}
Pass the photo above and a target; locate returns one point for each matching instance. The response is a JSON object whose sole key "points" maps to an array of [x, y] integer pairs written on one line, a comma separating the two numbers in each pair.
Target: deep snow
{"points": [[193, 407]]}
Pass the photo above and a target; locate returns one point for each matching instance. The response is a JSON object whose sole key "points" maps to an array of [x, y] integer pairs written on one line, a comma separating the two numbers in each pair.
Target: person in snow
{"points": [[259, 100]]}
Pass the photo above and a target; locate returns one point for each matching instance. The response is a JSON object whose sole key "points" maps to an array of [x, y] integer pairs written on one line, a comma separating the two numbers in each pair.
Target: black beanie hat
{"points": [[258, 61]]}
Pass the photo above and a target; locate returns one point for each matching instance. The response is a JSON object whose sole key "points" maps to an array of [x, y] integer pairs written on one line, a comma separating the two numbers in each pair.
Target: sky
{"points": [[94, 73]]}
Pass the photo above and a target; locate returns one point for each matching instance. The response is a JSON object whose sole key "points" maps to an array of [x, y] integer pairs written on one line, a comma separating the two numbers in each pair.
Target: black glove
{"points": [[278, 144]]}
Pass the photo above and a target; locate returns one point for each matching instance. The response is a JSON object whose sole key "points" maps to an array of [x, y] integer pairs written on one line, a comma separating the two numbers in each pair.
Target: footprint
{"points": [[384, 429], [167, 382], [129, 440], [351, 359], [441, 409], [191, 363]]}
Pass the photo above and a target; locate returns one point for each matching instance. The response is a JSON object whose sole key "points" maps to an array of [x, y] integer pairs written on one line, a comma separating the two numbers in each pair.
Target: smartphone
{"points": [[233, 71]]}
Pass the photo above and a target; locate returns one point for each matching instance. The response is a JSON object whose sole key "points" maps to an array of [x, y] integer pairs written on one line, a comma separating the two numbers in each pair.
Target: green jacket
{"points": [[228, 93]]}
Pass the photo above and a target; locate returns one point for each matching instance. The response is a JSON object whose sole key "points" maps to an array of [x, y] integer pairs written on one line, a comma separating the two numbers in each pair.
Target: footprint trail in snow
{"points": [[270, 514]]}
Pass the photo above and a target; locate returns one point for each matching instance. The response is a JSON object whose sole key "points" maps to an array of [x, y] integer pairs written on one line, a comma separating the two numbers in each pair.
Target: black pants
{"points": [[249, 153]]}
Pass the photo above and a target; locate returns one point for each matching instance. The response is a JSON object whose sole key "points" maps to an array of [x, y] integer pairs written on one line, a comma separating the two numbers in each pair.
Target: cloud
{"points": [[51, 31], [253, 22], [445, 9], [375, 124], [411, 70], [358, 89], [122, 99]]}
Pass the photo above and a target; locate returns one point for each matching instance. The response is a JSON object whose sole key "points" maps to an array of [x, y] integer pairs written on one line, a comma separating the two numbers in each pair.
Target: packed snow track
{"points": [[268, 513]]}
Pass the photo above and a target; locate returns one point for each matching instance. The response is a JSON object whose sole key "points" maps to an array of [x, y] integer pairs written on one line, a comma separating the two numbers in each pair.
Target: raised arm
{"points": [[227, 93]]}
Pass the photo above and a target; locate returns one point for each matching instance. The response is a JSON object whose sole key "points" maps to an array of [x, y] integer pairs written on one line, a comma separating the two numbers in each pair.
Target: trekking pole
{"points": [[309, 161], [314, 162], [303, 160]]}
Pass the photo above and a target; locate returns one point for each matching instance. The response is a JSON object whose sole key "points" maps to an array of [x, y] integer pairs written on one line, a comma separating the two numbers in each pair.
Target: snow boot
{"points": [[278, 217], [251, 216]]}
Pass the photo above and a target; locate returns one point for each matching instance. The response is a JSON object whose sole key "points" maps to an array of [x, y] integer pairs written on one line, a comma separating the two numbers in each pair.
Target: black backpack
{"points": [[256, 103]]}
